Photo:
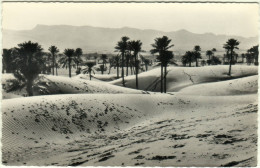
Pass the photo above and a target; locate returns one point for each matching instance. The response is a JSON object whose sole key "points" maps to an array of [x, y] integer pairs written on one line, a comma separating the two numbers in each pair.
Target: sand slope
{"points": [[180, 77], [48, 85], [98, 77], [116, 130], [241, 86]]}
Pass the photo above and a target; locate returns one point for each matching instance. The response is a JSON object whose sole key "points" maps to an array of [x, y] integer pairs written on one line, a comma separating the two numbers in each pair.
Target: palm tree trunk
{"points": [[127, 63], [136, 75], [123, 63], [190, 62], [53, 64], [56, 70], [117, 69], [256, 59], [29, 85], [165, 73], [89, 74], [109, 69], [196, 62], [230, 62], [69, 67], [102, 70], [161, 78]]}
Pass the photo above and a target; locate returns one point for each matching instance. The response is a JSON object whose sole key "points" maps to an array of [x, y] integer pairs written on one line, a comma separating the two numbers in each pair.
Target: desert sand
{"points": [[205, 119]]}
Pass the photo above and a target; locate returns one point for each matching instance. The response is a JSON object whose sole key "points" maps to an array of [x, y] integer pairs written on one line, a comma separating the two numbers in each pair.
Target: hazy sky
{"points": [[231, 19]]}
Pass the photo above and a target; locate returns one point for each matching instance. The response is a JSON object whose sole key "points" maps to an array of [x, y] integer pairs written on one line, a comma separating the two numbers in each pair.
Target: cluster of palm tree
{"points": [[128, 56], [191, 56], [162, 46], [28, 60], [251, 55], [25, 62], [212, 59]]}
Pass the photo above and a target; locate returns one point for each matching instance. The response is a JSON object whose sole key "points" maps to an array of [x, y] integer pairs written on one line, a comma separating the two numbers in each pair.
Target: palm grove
{"points": [[28, 60]]}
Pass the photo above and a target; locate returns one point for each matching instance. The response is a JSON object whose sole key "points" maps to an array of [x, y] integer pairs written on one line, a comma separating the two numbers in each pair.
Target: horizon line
{"points": [[183, 29]]}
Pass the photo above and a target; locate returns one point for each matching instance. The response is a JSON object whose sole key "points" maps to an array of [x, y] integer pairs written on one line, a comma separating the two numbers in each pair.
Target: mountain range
{"points": [[103, 40]]}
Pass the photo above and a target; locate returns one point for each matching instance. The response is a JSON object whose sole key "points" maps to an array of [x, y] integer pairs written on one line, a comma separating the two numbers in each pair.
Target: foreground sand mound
{"points": [[246, 85], [48, 85], [115, 130], [181, 77]]}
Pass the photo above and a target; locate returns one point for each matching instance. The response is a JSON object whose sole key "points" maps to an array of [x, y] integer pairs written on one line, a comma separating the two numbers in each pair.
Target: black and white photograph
{"points": [[129, 83]]}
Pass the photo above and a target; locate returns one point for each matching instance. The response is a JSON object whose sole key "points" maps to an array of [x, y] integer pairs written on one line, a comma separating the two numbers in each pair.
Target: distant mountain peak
{"points": [[101, 39], [183, 31]]}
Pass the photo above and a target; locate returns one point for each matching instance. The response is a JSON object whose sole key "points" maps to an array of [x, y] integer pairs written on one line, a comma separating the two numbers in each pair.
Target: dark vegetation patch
{"points": [[220, 156], [227, 139], [106, 158], [78, 163], [179, 137], [158, 157], [222, 136], [178, 146], [203, 135], [137, 164], [135, 152], [234, 163], [139, 157]]}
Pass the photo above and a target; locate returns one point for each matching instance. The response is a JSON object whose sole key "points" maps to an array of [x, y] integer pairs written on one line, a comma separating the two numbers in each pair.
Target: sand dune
{"points": [[116, 130], [181, 77], [98, 77], [48, 85], [206, 119], [241, 86]]}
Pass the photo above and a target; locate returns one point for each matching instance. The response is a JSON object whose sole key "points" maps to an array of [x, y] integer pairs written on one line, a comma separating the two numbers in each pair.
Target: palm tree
{"points": [[111, 62], [127, 57], [117, 62], [209, 53], [66, 60], [89, 69], [59, 56], [104, 59], [249, 57], [77, 59], [189, 57], [165, 59], [213, 50], [243, 55], [161, 45], [122, 47], [231, 44], [28, 64], [203, 62], [197, 54], [132, 63], [53, 50], [146, 63], [255, 53], [136, 46], [7, 58], [185, 59]]}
